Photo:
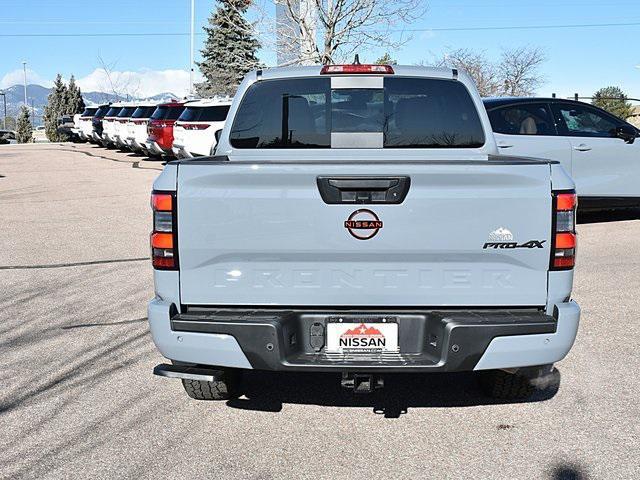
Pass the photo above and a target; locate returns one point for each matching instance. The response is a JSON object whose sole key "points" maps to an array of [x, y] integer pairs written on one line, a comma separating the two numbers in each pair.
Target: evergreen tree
{"points": [[55, 108], [386, 60], [613, 100], [74, 103], [230, 49], [24, 129]]}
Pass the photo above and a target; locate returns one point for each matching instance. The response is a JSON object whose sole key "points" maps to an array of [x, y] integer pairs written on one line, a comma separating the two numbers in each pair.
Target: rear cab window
{"points": [[399, 112]]}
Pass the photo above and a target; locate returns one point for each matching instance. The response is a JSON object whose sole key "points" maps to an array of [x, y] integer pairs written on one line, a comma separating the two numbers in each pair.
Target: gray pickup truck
{"points": [[356, 219]]}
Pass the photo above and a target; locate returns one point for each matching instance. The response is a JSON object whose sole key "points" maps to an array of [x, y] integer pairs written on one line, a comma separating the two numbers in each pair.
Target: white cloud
{"points": [[16, 77], [143, 83]]}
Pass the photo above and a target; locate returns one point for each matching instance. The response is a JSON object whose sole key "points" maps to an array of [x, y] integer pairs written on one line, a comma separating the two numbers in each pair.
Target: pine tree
{"points": [[74, 102], [55, 108], [613, 100], [386, 60], [230, 49], [24, 129]]}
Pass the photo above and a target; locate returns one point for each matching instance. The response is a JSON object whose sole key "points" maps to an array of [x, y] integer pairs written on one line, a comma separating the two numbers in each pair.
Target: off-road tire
{"points": [[223, 389], [506, 386]]}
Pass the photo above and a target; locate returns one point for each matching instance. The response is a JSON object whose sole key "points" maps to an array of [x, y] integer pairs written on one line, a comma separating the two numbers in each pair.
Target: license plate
{"points": [[364, 337]]}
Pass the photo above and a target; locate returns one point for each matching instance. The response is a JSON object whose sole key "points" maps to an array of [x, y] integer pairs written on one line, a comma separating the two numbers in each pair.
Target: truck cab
{"points": [[355, 219]]}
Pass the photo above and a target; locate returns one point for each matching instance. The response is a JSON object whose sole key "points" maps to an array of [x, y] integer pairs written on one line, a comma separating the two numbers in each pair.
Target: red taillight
{"points": [[164, 251], [563, 255], [348, 69], [162, 202]]}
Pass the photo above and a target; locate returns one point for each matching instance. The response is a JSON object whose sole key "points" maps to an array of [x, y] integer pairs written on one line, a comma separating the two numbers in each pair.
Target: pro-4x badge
{"points": [[529, 244], [503, 238], [363, 224]]}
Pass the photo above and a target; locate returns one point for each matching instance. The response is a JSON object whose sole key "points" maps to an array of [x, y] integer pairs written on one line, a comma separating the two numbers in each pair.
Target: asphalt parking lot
{"points": [[78, 398]]}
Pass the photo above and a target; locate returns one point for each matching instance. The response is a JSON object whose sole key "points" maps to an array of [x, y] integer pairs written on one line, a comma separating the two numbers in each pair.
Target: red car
{"points": [[160, 127]]}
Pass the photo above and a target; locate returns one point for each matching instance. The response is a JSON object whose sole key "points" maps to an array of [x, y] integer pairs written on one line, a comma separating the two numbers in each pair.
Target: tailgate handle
{"points": [[363, 190]]}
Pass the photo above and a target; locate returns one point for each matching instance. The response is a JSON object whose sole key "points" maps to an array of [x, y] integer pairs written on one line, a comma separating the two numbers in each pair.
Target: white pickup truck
{"points": [[356, 220]]}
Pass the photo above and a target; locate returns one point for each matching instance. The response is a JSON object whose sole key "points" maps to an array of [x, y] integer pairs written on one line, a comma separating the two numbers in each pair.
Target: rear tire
{"points": [[223, 389], [516, 386]]}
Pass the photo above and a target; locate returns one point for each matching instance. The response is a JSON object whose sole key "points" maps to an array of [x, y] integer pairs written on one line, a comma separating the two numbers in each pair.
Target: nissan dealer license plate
{"points": [[364, 337]]}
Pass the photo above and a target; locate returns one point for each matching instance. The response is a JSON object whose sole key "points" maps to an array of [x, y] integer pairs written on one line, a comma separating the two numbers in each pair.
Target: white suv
{"points": [[194, 134], [137, 127], [120, 127]]}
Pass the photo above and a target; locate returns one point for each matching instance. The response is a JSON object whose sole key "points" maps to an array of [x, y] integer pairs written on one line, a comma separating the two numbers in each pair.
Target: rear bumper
{"points": [[180, 152], [457, 340], [155, 149]]}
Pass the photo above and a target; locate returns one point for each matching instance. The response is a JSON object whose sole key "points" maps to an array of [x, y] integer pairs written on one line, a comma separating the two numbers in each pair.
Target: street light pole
{"points": [[4, 122], [193, 23], [24, 68]]}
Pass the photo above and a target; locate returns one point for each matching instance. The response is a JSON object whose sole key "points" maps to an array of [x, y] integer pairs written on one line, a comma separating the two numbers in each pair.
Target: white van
{"points": [[194, 134]]}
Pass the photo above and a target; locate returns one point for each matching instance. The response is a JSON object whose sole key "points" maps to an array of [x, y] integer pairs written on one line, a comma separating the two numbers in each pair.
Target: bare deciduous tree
{"points": [[121, 86], [519, 70], [476, 64], [516, 73], [326, 31]]}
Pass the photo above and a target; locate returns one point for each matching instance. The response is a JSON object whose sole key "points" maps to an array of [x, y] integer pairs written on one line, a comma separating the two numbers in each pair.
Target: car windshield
{"points": [[89, 112], [405, 113], [143, 112], [126, 112], [113, 112], [205, 114]]}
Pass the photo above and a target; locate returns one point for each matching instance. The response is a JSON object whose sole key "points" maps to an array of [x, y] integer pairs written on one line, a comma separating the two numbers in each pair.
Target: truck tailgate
{"points": [[261, 234]]}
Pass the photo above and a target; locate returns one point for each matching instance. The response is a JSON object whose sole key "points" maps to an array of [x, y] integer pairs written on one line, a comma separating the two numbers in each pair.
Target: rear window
{"points": [[143, 112], [167, 113], [102, 111], [205, 114], [113, 112], [89, 112], [406, 113], [126, 112]]}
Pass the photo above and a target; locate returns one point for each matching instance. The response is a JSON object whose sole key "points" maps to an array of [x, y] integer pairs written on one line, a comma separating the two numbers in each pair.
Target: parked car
{"points": [[137, 127], [121, 125], [85, 124], [160, 128], [109, 125], [194, 133], [355, 220], [77, 135], [97, 123], [67, 126], [7, 137], [598, 149]]}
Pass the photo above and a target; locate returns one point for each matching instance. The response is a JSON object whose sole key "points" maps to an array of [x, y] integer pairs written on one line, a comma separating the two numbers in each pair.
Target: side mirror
{"points": [[626, 133], [217, 135]]}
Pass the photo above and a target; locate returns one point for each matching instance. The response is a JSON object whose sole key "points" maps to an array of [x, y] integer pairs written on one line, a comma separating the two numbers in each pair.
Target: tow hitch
{"points": [[361, 382]]}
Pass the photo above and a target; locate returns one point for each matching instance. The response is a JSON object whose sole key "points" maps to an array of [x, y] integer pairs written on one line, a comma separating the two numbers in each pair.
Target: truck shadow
{"points": [[269, 391], [608, 216]]}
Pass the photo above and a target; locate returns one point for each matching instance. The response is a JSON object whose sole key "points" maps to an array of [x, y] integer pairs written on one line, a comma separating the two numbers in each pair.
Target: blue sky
{"points": [[578, 59]]}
